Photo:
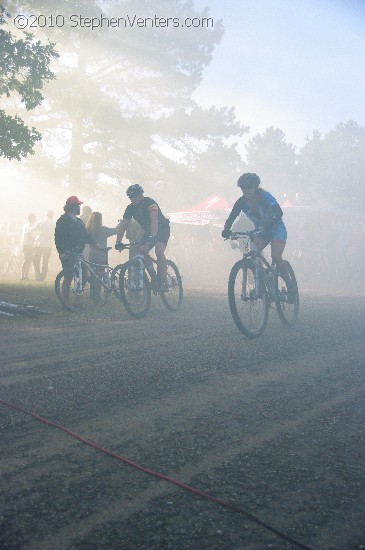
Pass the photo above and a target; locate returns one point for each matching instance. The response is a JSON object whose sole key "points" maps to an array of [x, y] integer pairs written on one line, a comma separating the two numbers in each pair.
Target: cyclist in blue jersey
{"points": [[156, 228], [266, 215]]}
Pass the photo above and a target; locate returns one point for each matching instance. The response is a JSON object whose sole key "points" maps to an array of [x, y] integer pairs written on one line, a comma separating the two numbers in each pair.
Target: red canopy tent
{"points": [[212, 209]]}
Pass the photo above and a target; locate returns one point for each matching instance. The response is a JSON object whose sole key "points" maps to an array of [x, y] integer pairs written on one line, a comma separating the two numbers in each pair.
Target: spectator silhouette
{"points": [[28, 241], [134, 233], [44, 231], [99, 233], [86, 212]]}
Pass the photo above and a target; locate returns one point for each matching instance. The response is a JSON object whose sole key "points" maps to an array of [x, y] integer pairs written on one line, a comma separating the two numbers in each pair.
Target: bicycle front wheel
{"points": [[287, 300], [114, 280], [71, 297], [135, 296], [173, 296], [248, 299]]}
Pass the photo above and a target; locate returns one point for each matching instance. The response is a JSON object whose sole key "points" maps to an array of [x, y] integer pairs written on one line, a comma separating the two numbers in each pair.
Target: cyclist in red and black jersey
{"points": [[157, 228]]}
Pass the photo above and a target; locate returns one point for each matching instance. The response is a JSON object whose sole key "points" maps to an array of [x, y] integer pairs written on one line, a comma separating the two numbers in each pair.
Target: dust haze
{"points": [[122, 110]]}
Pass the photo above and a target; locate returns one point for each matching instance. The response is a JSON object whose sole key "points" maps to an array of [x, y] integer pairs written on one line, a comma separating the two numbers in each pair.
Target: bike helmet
{"points": [[248, 180], [134, 190]]}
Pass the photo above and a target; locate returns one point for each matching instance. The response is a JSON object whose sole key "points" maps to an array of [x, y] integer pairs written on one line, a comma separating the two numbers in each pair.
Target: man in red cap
{"points": [[71, 237]]}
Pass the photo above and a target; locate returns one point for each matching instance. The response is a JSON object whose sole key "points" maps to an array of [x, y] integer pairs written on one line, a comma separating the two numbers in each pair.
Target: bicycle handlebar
{"points": [[134, 243], [239, 234], [73, 251]]}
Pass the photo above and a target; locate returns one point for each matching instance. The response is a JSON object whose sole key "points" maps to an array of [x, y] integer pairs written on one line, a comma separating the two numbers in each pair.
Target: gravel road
{"points": [[274, 426]]}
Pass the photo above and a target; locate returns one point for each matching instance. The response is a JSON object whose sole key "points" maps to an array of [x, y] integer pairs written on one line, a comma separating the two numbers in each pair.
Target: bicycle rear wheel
{"points": [[72, 299], [248, 299], [136, 300], [287, 302], [173, 297]]}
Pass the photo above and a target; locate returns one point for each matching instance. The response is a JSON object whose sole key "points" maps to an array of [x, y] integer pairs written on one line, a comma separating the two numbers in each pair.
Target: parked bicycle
{"points": [[10, 262], [78, 296], [254, 285], [138, 279]]}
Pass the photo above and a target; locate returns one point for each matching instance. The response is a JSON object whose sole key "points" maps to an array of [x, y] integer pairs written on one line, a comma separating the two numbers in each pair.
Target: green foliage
{"points": [[24, 68], [16, 139]]}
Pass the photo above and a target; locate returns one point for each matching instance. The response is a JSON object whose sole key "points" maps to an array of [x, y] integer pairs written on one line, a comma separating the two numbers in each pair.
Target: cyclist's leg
{"points": [[161, 261], [144, 249], [278, 242], [277, 249], [163, 236]]}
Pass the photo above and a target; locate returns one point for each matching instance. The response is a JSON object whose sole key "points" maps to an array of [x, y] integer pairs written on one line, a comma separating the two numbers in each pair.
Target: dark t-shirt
{"points": [[141, 214], [71, 234]]}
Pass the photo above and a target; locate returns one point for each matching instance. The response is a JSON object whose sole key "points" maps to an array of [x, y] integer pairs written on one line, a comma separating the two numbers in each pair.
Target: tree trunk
{"points": [[76, 155]]}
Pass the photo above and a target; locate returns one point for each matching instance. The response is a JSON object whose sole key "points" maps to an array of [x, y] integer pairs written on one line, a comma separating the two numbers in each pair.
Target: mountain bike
{"points": [[138, 279], [78, 296], [254, 285]]}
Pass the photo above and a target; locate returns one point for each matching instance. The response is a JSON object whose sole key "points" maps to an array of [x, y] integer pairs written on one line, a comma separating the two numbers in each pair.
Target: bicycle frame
{"points": [[143, 265], [79, 282], [254, 284], [262, 266]]}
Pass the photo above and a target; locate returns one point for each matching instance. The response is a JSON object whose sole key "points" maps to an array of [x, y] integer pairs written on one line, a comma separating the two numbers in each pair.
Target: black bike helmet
{"points": [[134, 190], [248, 180]]}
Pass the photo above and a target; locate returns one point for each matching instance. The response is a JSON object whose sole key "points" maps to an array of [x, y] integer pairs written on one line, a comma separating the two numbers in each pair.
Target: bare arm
{"points": [[154, 221], [122, 228]]}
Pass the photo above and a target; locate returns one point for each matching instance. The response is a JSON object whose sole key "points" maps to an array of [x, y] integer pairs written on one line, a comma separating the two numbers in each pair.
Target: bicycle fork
{"points": [[78, 279], [136, 279]]}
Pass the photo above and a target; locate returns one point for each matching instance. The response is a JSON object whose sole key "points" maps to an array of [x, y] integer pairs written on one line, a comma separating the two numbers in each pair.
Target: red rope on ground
{"points": [[156, 474]]}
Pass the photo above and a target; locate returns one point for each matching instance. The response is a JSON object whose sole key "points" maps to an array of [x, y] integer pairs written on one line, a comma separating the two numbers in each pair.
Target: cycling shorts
{"points": [[278, 233], [163, 234]]}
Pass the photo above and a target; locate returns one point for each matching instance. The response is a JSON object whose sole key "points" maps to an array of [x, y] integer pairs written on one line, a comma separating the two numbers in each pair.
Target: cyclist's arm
{"points": [[233, 215], [122, 229], [153, 210]]}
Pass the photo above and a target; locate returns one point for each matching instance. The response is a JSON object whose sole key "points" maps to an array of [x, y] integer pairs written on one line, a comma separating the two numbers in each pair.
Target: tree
{"points": [[332, 168], [125, 102], [24, 68], [275, 160]]}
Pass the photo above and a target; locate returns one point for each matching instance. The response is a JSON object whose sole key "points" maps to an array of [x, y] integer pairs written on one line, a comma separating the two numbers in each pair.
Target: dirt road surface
{"points": [[274, 426]]}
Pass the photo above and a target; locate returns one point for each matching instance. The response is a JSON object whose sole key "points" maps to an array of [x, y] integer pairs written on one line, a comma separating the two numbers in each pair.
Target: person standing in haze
{"points": [[84, 216], [266, 215], [44, 231], [28, 241], [100, 234], [134, 233], [156, 227], [70, 239]]}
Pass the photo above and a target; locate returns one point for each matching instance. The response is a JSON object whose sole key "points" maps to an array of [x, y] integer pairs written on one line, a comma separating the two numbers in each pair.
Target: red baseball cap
{"points": [[73, 200]]}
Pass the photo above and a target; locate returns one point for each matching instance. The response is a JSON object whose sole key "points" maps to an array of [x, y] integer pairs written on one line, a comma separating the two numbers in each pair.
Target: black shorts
{"points": [[163, 234]]}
